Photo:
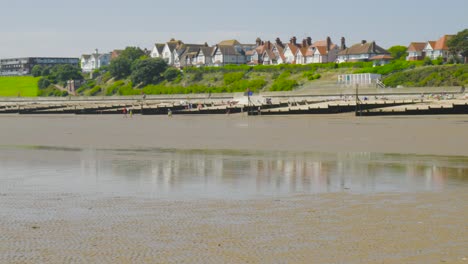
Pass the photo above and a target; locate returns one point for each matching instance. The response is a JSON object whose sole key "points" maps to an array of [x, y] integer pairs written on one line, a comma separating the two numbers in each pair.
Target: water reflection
{"points": [[222, 174]]}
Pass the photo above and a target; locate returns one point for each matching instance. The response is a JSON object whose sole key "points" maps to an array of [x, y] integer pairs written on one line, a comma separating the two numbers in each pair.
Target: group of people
{"points": [[126, 111]]}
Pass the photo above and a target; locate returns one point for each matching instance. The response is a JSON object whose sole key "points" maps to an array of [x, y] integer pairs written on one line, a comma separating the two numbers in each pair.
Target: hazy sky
{"points": [[71, 28]]}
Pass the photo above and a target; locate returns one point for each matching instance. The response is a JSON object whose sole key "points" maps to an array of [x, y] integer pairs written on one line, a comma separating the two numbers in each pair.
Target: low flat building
{"points": [[23, 66]]}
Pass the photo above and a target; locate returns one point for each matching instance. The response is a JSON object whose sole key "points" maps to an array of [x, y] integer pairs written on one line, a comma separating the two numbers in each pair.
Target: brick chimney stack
{"points": [[278, 42], [343, 43], [309, 41], [328, 43], [258, 41], [293, 40]]}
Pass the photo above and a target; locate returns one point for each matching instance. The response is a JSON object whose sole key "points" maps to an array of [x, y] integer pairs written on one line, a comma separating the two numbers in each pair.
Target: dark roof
{"points": [[159, 47], [227, 50], [364, 48], [207, 51]]}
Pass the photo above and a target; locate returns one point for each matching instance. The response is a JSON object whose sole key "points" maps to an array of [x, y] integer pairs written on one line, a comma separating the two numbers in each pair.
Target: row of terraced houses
{"points": [[179, 54]]}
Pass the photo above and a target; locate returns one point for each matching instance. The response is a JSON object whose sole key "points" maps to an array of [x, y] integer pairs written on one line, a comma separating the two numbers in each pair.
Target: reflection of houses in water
{"points": [[263, 173]]}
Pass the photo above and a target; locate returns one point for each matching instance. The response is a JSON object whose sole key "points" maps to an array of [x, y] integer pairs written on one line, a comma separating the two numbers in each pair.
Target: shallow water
{"points": [[200, 174]]}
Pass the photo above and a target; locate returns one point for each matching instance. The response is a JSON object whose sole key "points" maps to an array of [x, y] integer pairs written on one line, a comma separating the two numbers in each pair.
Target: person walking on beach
{"points": [[124, 111], [169, 112], [131, 113]]}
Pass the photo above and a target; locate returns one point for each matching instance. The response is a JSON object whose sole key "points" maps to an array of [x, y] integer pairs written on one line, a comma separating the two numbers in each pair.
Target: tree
{"points": [[148, 71], [37, 70], [171, 74], [398, 52], [459, 45], [120, 67], [43, 83], [66, 72], [132, 54]]}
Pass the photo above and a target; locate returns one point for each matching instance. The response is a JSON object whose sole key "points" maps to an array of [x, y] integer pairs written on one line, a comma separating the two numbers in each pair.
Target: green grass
{"points": [[24, 86]]}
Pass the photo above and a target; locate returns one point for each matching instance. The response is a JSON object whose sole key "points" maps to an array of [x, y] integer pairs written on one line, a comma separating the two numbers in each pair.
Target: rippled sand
{"points": [[327, 228]]}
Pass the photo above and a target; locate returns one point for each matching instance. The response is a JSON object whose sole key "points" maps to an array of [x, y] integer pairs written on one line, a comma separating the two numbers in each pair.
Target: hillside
{"points": [[258, 78], [430, 76]]}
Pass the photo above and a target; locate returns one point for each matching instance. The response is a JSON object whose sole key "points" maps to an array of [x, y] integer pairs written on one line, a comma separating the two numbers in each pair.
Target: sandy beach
{"points": [[430, 135], [42, 223]]}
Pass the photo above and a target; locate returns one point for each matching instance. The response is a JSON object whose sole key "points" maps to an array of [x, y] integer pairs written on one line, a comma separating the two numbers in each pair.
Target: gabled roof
{"points": [[206, 51], [364, 48], [441, 44], [159, 47], [227, 50], [229, 42], [270, 54], [416, 46], [292, 47], [280, 49], [431, 43]]}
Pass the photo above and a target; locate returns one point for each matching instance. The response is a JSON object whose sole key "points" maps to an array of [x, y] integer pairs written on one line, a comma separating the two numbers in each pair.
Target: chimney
{"points": [[363, 42], [96, 51], [258, 41], [278, 42], [206, 44], [328, 43], [309, 41], [373, 46], [268, 45], [304, 43], [294, 40], [343, 43]]}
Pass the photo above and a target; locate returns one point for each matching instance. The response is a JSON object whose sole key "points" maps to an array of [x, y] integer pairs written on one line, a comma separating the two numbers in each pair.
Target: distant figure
{"points": [[124, 111], [169, 112], [131, 113]]}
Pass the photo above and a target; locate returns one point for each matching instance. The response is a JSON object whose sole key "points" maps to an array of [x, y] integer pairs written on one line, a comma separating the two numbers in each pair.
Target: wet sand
{"points": [[41, 226], [432, 135], [327, 228]]}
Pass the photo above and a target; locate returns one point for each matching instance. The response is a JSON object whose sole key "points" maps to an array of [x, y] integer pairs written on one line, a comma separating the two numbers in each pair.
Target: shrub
{"points": [[284, 85], [95, 90], [196, 77], [171, 73], [233, 77]]}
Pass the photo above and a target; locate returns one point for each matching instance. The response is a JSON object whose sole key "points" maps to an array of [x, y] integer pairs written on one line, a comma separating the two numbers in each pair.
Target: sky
{"points": [[65, 28]]}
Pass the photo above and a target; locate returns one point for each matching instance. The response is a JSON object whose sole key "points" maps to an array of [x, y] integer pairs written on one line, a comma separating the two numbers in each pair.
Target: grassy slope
{"points": [[14, 86], [430, 76]]}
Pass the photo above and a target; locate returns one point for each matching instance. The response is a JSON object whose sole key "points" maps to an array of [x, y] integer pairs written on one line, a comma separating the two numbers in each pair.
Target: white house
{"points": [[157, 51], [416, 51], [94, 61], [204, 56], [290, 51], [439, 48], [322, 51], [278, 51], [429, 49], [223, 55], [169, 50], [361, 52]]}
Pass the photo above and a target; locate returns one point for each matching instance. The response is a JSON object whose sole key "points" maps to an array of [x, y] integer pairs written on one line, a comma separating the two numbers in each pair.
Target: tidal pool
{"points": [[221, 174]]}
